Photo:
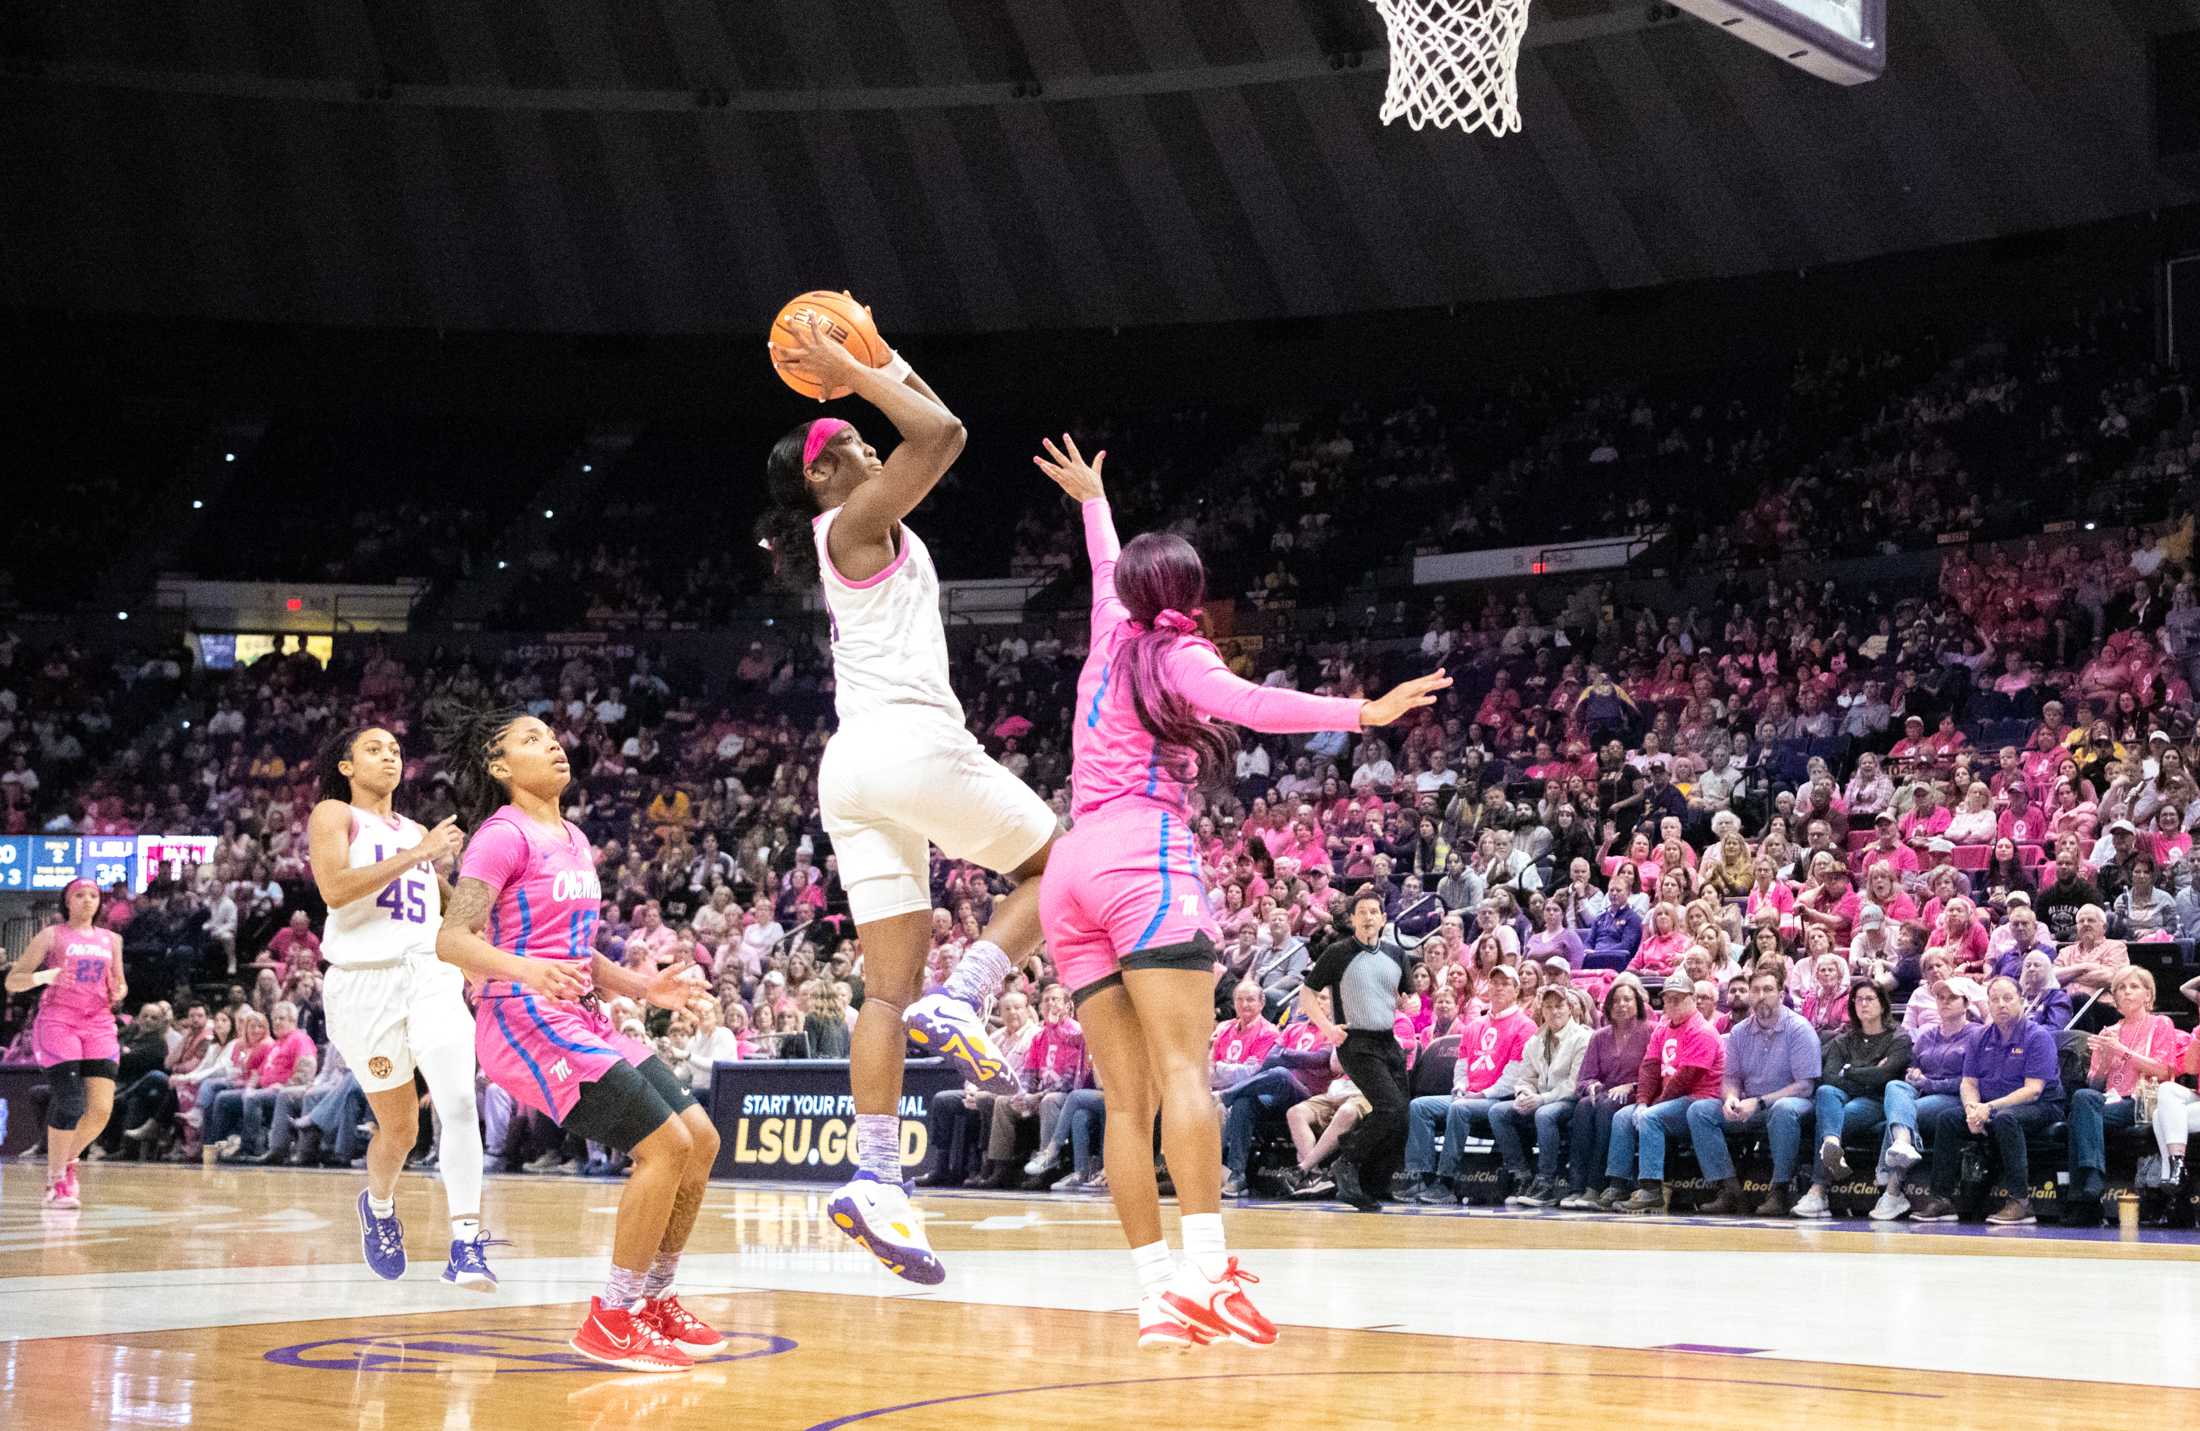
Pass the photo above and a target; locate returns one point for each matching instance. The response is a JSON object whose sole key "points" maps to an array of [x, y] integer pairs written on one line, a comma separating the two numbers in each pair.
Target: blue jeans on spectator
{"points": [[2092, 1118], [1840, 1116], [1085, 1115], [259, 1116], [1549, 1120], [1459, 1117], [338, 1116], [1265, 1095], [223, 1118], [1907, 1108], [1708, 1127], [1591, 1139], [1648, 1127]]}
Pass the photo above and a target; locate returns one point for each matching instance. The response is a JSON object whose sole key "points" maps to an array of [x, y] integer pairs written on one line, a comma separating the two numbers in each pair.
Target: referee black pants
{"points": [[1377, 1067]]}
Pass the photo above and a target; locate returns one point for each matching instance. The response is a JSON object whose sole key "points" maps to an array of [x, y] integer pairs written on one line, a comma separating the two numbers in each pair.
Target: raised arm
{"points": [[931, 436], [1067, 467]]}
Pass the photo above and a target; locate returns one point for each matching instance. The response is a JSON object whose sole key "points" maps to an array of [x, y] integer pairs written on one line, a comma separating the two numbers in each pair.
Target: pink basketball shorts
{"points": [[1123, 890]]}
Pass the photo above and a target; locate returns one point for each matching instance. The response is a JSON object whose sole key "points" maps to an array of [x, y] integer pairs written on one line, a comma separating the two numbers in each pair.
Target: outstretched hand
{"points": [[1072, 473], [1411, 696], [675, 987]]}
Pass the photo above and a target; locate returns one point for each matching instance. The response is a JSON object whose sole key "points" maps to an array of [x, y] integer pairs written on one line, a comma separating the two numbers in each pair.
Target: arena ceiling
{"points": [[652, 166]]}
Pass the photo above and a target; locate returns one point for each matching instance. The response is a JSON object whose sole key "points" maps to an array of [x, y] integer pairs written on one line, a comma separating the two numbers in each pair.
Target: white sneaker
{"points": [[1812, 1204], [877, 1216], [943, 1024], [1902, 1154], [1043, 1161], [1074, 1182], [1891, 1205]]}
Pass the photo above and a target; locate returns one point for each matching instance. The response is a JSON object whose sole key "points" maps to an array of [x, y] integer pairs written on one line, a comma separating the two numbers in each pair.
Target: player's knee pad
{"points": [[64, 1098]]}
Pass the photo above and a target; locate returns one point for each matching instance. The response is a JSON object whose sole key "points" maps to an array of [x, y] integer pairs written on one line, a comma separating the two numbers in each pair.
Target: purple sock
{"points": [[624, 1289], [878, 1146]]}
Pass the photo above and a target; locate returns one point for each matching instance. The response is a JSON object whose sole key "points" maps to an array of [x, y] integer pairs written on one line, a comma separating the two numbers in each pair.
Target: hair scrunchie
{"points": [[1172, 619]]}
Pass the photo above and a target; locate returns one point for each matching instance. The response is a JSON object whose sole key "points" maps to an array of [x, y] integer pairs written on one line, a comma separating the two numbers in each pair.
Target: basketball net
{"points": [[1454, 62]]}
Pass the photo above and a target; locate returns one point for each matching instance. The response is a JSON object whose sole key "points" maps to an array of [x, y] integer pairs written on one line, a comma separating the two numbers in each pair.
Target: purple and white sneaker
{"points": [[382, 1239], [877, 1217], [469, 1264], [945, 1025]]}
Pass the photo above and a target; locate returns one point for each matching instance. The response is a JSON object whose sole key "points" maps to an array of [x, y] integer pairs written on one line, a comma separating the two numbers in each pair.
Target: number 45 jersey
{"points": [[398, 922]]}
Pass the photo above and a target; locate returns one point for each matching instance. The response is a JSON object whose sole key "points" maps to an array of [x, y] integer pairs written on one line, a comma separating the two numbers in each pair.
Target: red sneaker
{"points": [[677, 1325], [618, 1337], [1220, 1306]]}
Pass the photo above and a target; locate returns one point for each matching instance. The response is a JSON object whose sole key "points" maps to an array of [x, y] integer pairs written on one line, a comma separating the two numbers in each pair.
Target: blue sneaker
{"points": [[382, 1239], [877, 1216], [469, 1264]]}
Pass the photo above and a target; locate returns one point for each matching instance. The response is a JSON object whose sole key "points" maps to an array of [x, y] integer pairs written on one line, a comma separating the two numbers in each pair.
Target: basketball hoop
{"points": [[1454, 62]]}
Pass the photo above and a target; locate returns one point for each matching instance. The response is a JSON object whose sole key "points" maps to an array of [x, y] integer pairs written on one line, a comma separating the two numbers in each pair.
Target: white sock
{"points": [[1203, 1243], [381, 1206], [1155, 1266], [977, 976], [465, 1229]]}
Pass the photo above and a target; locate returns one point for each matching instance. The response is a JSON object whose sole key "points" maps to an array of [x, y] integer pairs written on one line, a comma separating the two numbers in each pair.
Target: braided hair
{"points": [[469, 737]]}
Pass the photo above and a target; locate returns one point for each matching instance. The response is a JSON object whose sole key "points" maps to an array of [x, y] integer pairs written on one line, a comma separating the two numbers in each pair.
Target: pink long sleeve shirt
{"points": [[1114, 758]]}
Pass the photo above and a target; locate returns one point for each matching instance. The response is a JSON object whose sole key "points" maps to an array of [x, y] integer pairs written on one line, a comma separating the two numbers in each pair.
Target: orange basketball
{"points": [[846, 322]]}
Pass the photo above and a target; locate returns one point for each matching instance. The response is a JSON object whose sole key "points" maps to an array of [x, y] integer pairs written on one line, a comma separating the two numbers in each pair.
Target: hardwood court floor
{"points": [[182, 1297]]}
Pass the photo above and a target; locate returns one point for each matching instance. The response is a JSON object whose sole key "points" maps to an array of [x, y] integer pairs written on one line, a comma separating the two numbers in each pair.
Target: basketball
{"points": [[846, 321]]}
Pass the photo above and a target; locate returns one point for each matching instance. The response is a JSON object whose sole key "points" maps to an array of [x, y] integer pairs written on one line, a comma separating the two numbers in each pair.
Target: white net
{"points": [[1454, 62]]}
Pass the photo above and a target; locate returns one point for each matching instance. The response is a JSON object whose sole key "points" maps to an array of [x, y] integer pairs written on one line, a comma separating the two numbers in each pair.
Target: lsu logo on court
{"points": [[576, 884]]}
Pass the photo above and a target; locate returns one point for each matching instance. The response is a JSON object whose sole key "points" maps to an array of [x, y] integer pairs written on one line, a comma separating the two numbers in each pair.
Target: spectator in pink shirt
{"points": [[1663, 943], [288, 1058], [2090, 961], [1886, 847], [294, 947]]}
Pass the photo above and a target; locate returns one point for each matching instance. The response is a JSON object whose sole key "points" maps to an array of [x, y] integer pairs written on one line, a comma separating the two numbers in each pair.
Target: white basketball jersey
{"points": [[889, 645], [398, 920]]}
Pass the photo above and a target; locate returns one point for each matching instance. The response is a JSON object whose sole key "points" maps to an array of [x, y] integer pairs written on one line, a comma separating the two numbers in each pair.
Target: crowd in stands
{"points": [[1834, 818]]}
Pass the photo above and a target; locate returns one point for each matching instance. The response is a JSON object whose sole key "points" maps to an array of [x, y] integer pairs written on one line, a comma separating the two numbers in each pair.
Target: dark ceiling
{"points": [[665, 166]]}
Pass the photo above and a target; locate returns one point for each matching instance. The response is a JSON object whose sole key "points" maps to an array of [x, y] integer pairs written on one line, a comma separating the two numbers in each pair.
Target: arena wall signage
{"points": [[783, 1119]]}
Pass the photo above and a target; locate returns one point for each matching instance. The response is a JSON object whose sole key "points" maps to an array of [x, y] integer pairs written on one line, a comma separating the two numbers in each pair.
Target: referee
{"points": [[1363, 977]]}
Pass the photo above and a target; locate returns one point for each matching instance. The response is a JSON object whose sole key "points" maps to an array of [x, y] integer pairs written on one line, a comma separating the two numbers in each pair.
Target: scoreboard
{"points": [[42, 864]]}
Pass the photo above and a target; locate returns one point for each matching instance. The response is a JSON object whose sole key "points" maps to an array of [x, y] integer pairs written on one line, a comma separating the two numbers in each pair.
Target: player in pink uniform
{"points": [[528, 883], [1125, 906], [80, 968]]}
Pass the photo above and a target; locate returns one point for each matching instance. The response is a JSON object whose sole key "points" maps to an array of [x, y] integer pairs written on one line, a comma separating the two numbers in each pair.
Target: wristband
{"points": [[896, 371]]}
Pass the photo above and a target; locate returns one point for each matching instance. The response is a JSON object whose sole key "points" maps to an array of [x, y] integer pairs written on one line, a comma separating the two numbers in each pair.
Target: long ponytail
{"points": [[1161, 582], [785, 526]]}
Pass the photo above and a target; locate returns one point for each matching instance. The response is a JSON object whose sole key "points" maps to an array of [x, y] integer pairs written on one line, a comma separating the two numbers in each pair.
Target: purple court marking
{"points": [[877, 1411], [527, 1352], [1712, 1350]]}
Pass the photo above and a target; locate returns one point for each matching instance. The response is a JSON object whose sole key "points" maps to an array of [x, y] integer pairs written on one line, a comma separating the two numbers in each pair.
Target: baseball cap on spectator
{"points": [[1558, 961], [1884, 817], [1677, 983], [1941, 845], [2158, 735], [1506, 971], [1556, 991], [1871, 916], [2124, 825]]}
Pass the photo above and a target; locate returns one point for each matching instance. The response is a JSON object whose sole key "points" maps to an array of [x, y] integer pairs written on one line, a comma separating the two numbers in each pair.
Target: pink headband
{"points": [[822, 431], [70, 888]]}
